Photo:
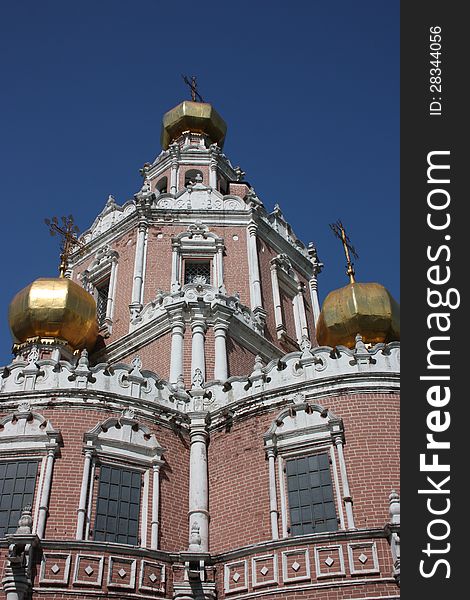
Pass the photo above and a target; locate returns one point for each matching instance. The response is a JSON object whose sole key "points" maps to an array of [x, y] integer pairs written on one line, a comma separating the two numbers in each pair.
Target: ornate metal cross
{"points": [[69, 242], [339, 231], [192, 83]]}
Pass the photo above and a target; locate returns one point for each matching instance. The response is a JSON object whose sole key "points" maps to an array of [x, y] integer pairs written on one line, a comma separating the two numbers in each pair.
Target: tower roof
{"points": [[198, 117]]}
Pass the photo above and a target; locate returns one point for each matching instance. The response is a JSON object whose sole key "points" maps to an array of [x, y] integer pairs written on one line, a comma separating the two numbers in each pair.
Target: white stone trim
{"points": [[132, 562], [358, 545], [342, 569], [49, 556], [146, 588], [98, 581], [274, 579], [286, 578], [144, 509], [227, 576], [305, 434]]}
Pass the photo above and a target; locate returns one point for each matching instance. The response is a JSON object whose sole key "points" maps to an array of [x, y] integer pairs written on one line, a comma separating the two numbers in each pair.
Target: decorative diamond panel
{"points": [[55, 568], [363, 558], [152, 577], [236, 576], [88, 570], [329, 561], [295, 565], [264, 570], [121, 572]]}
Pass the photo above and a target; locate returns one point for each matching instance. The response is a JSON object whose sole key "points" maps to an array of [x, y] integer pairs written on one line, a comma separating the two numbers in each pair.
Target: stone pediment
{"points": [[200, 197], [111, 214]]}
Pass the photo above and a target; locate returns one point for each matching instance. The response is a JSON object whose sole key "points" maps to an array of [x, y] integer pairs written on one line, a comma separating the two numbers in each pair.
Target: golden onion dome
{"points": [[198, 117], [365, 308], [54, 308]]}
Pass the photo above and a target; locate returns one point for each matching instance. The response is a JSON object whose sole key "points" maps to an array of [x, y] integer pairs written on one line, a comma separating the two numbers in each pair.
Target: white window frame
{"points": [[104, 267], [197, 243], [26, 435], [122, 441], [284, 277], [304, 429]]}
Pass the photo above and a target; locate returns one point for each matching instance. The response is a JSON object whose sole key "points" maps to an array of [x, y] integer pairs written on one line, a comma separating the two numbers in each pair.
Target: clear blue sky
{"points": [[309, 89]]}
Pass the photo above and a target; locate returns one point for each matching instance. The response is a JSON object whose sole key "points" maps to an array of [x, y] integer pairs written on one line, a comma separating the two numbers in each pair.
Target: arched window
{"points": [[125, 459], [28, 445], [306, 442], [193, 176], [162, 185]]}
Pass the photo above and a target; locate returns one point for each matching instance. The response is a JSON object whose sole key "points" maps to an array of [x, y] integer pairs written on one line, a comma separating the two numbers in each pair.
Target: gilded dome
{"points": [[199, 117], [54, 308], [365, 308]]}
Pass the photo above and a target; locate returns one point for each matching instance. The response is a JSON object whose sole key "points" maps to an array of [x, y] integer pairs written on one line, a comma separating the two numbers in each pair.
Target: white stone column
{"points": [[198, 479], [198, 358], [137, 285], [220, 335], [175, 265], [177, 347], [213, 174], [82, 506], [301, 311], [219, 265], [155, 505], [344, 481], [272, 494], [46, 490], [174, 151], [112, 290], [253, 267], [276, 297]]}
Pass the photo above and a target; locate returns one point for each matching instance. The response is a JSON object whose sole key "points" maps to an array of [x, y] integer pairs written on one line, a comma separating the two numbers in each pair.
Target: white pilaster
{"points": [[220, 335], [177, 347], [46, 490], [219, 265], [198, 359], [174, 168], [155, 506], [112, 291], [137, 285], [198, 479], [253, 267], [272, 494], [344, 480], [276, 297], [82, 506], [175, 265]]}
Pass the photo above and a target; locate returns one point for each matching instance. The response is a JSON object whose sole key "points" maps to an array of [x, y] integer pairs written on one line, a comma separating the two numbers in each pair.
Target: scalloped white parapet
{"points": [[318, 371]]}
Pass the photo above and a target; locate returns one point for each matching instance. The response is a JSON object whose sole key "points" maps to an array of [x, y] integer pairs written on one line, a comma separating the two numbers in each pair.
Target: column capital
{"points": [[198, 322], [252, 228]]}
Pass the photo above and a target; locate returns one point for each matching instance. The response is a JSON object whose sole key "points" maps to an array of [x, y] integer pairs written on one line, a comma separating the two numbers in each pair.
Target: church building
{"points": [[181, 420]]}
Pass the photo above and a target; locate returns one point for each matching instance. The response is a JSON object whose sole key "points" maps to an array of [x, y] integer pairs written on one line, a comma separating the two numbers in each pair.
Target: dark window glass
{"points": [[117, 508], [197, 271], [310, 493], [102, 293], [17, 483]]}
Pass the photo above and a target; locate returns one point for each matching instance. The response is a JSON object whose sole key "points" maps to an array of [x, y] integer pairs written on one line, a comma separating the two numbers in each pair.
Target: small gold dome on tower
{"points": [[365, 308], [54, 308], [198, 117]]}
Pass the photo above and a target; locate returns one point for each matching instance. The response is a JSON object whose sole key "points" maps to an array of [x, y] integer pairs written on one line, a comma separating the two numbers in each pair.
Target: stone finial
{"points": [[110, 201], [33, 355], [305, 346], [25, 523], [83, 360], [259, 364], [180, 382], [360, 347], [198, 379], [394, 507], [136, 363]]}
